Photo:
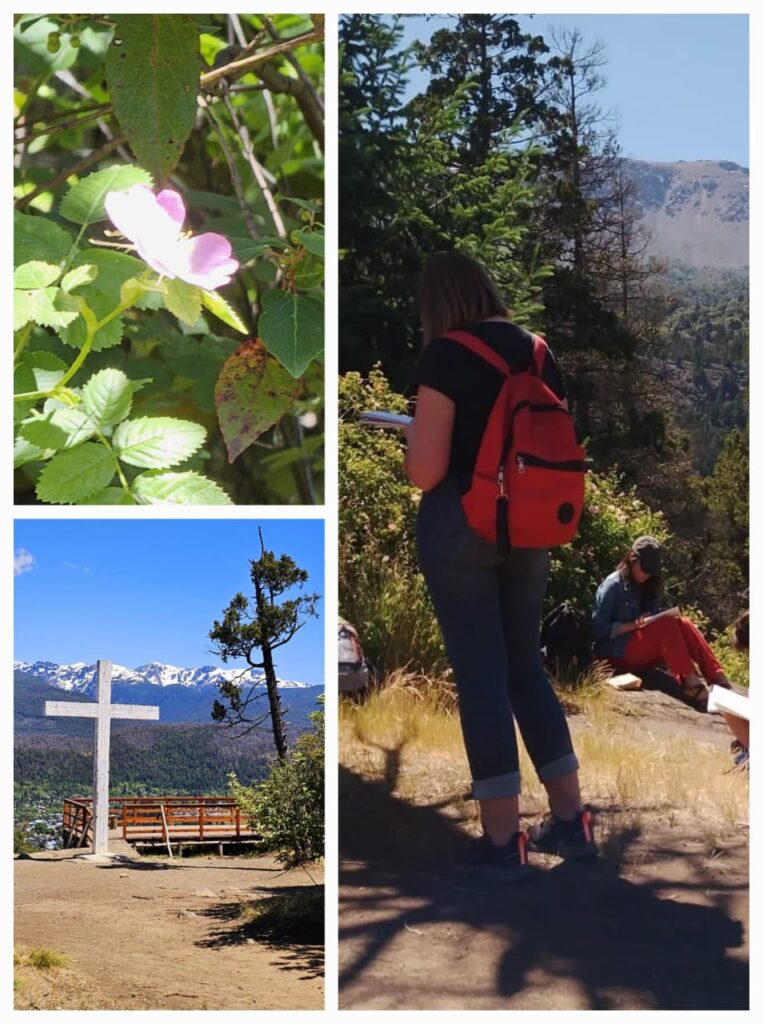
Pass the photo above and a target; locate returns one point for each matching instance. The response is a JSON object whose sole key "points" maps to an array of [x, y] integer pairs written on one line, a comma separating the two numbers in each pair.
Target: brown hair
{"points": [[455, 290], [649, 590]]}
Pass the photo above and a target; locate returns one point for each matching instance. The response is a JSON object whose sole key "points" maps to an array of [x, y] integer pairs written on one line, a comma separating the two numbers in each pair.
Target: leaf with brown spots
{"points": [[252, 393]]}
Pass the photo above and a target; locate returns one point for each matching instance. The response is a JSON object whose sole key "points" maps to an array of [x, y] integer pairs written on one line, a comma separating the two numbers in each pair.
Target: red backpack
{"points": [[529, 478]]}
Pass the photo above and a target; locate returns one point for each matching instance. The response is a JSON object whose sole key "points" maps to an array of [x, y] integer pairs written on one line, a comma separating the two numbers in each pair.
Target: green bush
{"points": [[612, 519], [381, 590], [287, 809]]}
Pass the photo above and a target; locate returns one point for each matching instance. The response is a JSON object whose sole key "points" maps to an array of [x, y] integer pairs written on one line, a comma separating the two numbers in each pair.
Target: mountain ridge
{"points": [[696, 212], [79, 677]]}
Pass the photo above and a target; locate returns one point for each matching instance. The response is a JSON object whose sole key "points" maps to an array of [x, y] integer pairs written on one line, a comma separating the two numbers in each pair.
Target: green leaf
{"points": [[313, 241], [24, 452], [48, 369], [37, 236], [73, 475], [35, 274], [183, 301], [83, 203], [49, 307], [109, 496], [152, 69], [23, 382], [252, 393], [291, 326], [26, 306], [107, 396], [81, 275], [102, 295], [60, 428], [113, 268], [178, 489], [223, 311], [158, 442], [303, 204]]}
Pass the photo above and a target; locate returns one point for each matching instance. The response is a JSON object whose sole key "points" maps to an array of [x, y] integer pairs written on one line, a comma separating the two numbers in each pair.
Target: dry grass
{"points": [[43, 979], [628, 768]]}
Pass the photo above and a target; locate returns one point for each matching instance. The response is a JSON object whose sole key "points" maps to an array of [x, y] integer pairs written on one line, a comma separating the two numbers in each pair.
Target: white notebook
{"points": [[720, 699], [385, 420]]}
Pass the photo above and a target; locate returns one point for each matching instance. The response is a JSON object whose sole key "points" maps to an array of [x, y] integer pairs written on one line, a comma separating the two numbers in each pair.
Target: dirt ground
{"points": [[658, 922], [142, 933]]}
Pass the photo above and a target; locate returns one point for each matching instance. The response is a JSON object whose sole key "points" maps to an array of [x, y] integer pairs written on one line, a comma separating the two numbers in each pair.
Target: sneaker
{"points": [[506, 863], [742, 760], [572, 840]]}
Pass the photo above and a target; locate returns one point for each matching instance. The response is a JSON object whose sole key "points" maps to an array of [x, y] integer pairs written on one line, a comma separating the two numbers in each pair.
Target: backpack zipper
{"points": [[570, 465]]}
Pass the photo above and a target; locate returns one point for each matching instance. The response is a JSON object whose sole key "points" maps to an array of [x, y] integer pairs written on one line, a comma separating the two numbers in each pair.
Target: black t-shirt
{"points": [[473, 384]]}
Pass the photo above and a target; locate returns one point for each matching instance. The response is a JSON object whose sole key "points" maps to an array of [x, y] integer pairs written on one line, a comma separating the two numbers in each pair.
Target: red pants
{"points": [[674, 642]]}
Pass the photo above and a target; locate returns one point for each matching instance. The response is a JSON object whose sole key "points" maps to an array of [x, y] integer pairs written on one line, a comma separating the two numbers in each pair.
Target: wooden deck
{"points": [[168, 821]]}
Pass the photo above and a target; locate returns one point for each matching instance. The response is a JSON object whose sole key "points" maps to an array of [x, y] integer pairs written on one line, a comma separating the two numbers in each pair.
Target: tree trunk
{"points": [[274, 699]]}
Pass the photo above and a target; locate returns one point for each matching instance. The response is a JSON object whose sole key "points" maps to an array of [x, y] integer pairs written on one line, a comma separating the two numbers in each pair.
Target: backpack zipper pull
{"points": [[501, 490], [520, 464]]}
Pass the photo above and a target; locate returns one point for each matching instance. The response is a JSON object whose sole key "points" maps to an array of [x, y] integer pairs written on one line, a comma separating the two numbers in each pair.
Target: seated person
{"points": [[740, 727], [624, 636]]}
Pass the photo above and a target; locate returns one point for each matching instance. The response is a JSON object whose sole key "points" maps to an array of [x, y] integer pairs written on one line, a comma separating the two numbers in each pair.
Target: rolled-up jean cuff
{"points": [[554, 769], [496, 787]]}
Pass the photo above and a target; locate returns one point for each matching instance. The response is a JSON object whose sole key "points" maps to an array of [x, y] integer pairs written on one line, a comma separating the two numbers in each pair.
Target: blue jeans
{"points": [[489, 608]]}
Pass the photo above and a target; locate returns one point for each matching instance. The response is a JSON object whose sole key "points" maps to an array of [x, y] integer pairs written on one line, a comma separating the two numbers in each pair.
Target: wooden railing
{"points": [[157, 819]]}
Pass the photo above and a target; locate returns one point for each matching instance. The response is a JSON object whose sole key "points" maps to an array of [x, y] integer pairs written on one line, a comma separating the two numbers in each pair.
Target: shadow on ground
{"points": [[416, 934], [290, 922]]}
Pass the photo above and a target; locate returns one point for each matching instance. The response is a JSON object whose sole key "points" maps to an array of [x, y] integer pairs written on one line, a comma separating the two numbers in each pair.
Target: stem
{"points": [[120, 472], [24, 335], [93, 326], [303, 477]]}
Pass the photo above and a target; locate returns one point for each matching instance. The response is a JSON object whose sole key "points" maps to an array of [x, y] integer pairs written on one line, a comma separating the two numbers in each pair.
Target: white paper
{"points": [[734, 703]]}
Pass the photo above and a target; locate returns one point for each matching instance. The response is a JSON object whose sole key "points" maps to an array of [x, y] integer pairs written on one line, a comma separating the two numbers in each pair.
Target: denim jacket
{"points": [[617, 600]]}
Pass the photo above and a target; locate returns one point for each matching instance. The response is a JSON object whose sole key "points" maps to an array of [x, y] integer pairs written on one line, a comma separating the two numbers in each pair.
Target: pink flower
{"points": [[154, 225]]}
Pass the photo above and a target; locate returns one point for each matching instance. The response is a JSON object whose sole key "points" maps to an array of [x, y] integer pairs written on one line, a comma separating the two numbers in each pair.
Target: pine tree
{"points": [[263, 624]]}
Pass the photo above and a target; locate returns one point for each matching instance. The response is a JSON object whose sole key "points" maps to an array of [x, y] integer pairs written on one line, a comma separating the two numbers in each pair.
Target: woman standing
{"points": [[625, 636], [488, 604]]}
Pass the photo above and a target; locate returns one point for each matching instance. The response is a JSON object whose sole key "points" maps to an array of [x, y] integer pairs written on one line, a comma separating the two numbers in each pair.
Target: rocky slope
{"points": [[697, 212]]}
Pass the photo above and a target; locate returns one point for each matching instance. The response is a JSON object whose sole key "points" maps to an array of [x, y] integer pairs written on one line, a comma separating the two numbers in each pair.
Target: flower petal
{"points": [[210, 264], [172, 204]]}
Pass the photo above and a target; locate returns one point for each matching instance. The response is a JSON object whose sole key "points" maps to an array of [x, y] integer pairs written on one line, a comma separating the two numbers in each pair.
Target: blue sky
{"points": [[137, 591], [678, 81]]}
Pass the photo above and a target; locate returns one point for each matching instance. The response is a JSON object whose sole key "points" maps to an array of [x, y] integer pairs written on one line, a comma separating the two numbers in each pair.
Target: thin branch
{"points": [[59, 126], [241, 67], [53, 183], [304, 98], [230, 159], [257, 170], [68, 79], [318, 99]]}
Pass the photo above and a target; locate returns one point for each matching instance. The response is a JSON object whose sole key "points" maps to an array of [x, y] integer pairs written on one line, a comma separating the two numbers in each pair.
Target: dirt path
{"points": [[159, 934], [660, 921]]}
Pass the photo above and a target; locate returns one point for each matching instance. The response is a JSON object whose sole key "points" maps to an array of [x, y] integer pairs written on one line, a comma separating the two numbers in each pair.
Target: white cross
{"points": [[102, 712]]}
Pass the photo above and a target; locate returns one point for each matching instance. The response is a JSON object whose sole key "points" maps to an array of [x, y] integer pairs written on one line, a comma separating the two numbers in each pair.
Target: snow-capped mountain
{"points": [[80, 678]]}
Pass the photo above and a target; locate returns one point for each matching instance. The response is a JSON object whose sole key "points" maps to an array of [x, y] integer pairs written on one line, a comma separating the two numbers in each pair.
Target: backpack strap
{"points": [[479, 348], [484, 351], [540, 351]]}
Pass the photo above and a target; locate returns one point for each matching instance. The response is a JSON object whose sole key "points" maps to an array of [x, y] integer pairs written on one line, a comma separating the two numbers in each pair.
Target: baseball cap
{"points": [[649, 554]]}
